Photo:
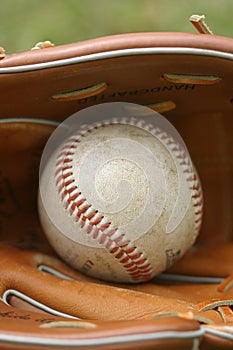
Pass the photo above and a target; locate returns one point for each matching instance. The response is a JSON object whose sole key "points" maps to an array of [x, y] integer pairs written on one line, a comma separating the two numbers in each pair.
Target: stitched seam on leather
{"points": [[213, 304], [134, 262]]}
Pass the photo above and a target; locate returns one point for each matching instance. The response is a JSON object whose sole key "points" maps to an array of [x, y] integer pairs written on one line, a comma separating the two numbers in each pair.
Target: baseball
{"points": [[120, 200]]}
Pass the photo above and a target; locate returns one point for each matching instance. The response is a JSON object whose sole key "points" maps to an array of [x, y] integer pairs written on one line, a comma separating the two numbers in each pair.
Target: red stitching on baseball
{"points": [[135, 263]]}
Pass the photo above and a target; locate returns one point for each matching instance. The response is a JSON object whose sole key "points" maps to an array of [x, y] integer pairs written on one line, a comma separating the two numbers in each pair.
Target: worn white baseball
{"points": [[120, 200]]}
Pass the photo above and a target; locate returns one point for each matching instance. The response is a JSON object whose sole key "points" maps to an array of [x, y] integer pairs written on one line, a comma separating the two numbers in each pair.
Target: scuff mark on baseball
{"points": [[120, 200]]}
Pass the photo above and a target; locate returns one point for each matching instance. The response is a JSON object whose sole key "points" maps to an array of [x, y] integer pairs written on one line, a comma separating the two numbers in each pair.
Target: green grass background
{"points": [[25, 22]]}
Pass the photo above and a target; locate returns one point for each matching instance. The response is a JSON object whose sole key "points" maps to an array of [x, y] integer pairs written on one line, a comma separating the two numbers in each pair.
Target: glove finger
{"points": [[77, 298], [82, 299], [32, 330]]}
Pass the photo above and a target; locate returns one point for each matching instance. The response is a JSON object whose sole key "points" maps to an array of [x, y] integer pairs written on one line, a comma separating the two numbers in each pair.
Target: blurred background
{"points": [[25, 22]]}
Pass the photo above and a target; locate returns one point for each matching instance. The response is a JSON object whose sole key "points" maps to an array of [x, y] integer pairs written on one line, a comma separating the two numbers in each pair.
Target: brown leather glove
{"points": [[44, 303]]}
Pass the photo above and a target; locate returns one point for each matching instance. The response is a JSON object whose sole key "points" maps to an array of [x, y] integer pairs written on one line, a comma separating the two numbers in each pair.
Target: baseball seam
{"points": [[128, 255]]}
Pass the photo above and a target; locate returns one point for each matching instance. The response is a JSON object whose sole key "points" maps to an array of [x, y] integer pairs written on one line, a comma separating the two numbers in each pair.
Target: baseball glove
{"points": [[44, 303]]}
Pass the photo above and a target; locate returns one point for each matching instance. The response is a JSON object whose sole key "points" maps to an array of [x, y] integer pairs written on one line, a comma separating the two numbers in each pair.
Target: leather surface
{"points": [[203, 117]]}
